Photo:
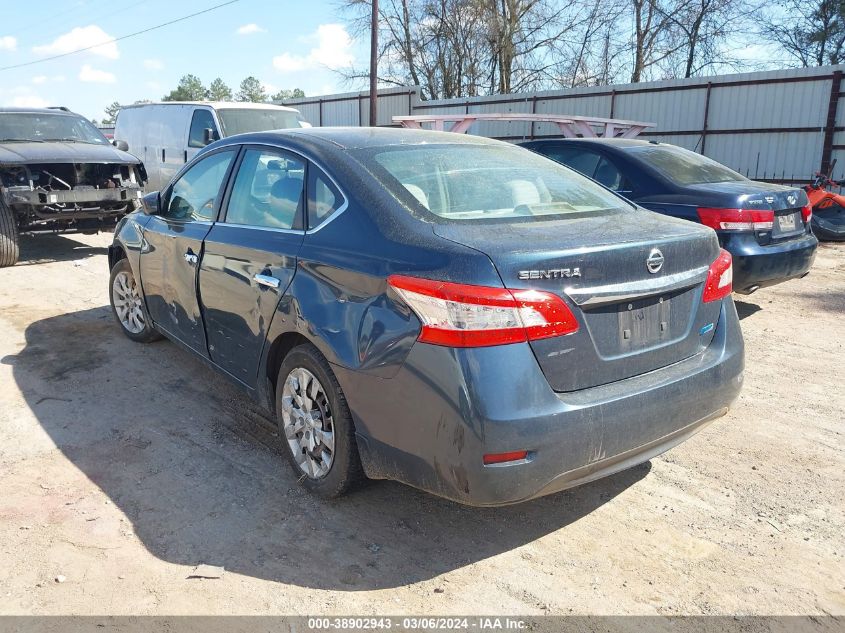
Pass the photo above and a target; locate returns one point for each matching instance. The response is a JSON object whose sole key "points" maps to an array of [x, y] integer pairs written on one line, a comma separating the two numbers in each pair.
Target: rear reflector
{"points": [[737, 219], [501, 458], [719, 278], [806, 213], [459, 315]]}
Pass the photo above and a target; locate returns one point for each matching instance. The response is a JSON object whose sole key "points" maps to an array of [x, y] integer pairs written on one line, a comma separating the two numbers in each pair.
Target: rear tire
{"points": [[9, 238], [127, 305], [316, 425]]}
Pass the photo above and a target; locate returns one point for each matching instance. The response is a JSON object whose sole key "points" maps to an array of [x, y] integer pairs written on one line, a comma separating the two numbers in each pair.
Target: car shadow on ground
{"points": [[745, 309], [199, 472], [51, 247]]}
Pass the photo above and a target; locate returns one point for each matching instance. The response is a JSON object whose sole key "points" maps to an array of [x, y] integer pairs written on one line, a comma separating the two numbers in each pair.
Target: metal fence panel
{"points": [[773, 125], [670, 110], [777, 105]]}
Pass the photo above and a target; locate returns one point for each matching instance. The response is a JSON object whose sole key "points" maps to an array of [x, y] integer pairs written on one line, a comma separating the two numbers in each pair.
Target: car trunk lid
{"points": [[784, 202], [631, 320]]}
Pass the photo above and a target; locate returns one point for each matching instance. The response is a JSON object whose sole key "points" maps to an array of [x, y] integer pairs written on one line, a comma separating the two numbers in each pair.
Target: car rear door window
{"points": [[200, 122], [324, 198], [581, 161], [607, 174], [268, 191], [195, 193]]}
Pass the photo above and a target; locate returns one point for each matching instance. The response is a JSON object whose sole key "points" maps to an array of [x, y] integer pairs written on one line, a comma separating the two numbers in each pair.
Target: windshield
{"points": [[241, 121], [42, 126], [480, 182], [684, 167]]}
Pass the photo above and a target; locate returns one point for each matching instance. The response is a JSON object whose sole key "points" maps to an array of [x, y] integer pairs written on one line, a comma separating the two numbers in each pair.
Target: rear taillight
{"points": [[458, 315], [737, 219], [719, 278], [806, 213]]}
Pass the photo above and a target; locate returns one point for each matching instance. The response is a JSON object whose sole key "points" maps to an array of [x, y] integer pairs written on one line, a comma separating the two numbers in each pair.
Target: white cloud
{"points": [[29, 101], [288, 63], [43, 79], [153, 64], [250, 29], [92, 75], [81, 37], [8, 43], [333, 51]]}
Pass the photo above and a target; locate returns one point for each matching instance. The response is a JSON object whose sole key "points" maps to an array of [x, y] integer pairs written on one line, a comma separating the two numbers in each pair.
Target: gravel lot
{"points": [[124, 466]]}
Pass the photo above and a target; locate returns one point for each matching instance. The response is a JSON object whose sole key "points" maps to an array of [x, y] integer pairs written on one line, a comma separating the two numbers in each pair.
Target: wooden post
{"points": [[830, 127], [706, 114], [374, 66]]}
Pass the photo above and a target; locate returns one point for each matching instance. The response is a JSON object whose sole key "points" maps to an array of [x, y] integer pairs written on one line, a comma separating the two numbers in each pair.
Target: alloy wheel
{"points": [[308, 423], [127, 303]]}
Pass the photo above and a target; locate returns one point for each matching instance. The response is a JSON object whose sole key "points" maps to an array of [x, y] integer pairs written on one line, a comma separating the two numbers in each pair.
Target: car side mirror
{"points": [[151, 204], [210, 135], [123, 146]]}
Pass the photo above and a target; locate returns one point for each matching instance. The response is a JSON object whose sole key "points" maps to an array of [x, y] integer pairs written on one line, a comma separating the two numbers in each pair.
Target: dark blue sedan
{"points": [[452, 312], [765, 227]]}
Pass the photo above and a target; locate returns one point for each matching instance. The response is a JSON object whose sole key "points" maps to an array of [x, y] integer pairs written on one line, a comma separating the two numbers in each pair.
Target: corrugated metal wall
{"points": [[769, 125]]}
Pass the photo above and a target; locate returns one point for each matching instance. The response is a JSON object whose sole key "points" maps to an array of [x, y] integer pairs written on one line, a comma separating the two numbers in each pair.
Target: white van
{"points": [[167, 135]]}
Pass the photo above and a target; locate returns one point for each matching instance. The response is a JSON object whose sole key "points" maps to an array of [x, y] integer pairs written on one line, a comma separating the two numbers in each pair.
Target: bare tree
{"points": [[457, 48], [810, 32], [700, 31], [454, 48]]}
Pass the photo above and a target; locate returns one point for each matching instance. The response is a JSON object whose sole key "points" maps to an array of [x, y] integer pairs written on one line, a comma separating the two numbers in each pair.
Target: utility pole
{"points": [[374, 65]]}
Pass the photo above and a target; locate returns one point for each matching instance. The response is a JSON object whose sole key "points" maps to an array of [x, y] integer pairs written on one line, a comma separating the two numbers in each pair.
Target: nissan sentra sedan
{"points": [[452, 312]]}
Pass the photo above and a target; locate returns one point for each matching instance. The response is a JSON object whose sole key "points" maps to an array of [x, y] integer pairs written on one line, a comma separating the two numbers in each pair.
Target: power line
{"points": [[118, 39]]}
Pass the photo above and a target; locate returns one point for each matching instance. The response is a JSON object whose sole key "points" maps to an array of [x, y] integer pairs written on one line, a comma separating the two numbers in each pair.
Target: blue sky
{"points": [[284, 43]]}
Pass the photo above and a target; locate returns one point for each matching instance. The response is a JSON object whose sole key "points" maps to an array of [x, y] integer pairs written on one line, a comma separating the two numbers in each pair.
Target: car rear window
{"points": [[682, 166], [487, 182]]}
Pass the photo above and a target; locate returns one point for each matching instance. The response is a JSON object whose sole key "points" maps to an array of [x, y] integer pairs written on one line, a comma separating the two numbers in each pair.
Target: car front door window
{"points": [[194, 196]]}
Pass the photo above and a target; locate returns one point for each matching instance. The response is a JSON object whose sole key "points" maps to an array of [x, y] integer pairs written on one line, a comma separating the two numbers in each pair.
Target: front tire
{"points": [[127, 304], [9, 238], [316, 425]]}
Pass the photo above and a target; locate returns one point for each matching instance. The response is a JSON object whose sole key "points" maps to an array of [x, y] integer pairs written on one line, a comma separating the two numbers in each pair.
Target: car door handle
{"points": [[267, 280], [191, 258]]}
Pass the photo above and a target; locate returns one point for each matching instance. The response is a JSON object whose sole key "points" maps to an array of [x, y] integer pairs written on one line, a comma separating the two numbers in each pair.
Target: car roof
{"points": [[55, 111], [217, 105], [612, 142], [360, 137]]}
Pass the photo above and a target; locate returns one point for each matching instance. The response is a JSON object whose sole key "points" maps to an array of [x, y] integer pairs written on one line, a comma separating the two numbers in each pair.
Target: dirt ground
{"points": [[123, 466]]}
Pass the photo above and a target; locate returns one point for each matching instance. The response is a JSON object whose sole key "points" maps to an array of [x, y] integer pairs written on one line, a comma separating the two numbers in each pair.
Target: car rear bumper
{"points": [[757, 266], [431, 424]]}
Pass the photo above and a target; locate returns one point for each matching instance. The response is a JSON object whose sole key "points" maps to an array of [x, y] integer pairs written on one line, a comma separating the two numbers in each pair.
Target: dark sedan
{"points": [[452, 312], [765, 227]]}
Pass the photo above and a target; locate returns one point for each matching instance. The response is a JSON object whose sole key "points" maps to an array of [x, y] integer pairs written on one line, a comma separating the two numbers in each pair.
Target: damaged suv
{"points": [[59, 173]]}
